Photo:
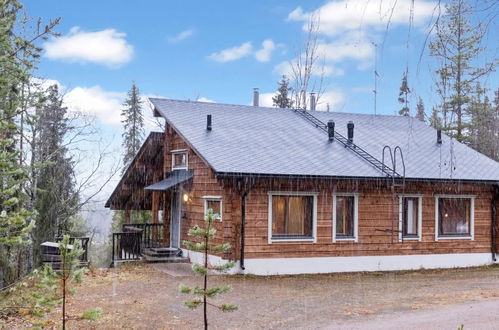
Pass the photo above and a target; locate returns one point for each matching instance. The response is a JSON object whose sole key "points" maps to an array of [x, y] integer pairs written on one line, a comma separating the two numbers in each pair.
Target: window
{"points": [[214, 203], [454, 215], [410, 217], [292, 216], [345, 217], [179, 160]]}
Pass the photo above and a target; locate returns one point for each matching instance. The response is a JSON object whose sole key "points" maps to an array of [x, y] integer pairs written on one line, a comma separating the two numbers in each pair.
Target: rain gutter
{"points": [[494, 224]]}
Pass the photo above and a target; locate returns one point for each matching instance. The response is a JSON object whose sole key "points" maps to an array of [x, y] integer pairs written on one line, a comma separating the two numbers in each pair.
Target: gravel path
{"points": [[147, 297]]}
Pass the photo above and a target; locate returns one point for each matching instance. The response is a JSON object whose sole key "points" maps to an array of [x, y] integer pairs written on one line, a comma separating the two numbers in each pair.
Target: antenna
{"points": [[376, 75]]}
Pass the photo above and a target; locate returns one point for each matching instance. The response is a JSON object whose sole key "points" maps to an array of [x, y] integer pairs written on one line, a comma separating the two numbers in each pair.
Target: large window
{"points": [[291, 216], [345, 217], [214, 203], [410, 217], [454, 215], [179, 160]]}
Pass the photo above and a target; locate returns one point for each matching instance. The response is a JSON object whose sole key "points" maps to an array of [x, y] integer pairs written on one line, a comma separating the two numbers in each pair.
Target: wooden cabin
{"points": [[313, 192]]}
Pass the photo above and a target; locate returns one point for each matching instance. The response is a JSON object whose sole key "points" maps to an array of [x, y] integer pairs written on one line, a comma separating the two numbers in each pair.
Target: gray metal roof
{"points": [[173, 179], [273, 141]]}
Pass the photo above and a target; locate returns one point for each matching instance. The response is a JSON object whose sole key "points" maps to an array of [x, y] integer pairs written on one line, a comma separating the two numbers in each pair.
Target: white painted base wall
{"points": [[288, 266]]}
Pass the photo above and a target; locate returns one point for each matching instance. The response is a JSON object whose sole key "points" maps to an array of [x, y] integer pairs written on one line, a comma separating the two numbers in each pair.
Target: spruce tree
{"points": [[282, 99], [133, 124], [56, 197], [403, 98], [18, 56], [203, 243], [420, 112], [457, 47]]}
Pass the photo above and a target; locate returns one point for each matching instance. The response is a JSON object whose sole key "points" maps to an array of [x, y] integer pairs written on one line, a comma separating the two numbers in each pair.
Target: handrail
{"points": [[153, 234]]}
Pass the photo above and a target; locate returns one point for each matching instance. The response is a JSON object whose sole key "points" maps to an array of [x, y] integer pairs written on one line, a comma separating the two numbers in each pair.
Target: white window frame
{"points": [[176, 152], [213, 199], [472, 218], [355, 237], [314, 217], [420, 217]]}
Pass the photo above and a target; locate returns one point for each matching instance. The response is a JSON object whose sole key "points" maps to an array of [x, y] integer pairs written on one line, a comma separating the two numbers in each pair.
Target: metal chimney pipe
{"points": [[312, 101], [330, 130], [350, 127], [439, 136], [256, 97], [208, 122]]}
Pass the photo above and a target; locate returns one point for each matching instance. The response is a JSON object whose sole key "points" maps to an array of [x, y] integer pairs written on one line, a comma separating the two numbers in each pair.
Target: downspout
{"points": [[494, 224], [243, 224]]}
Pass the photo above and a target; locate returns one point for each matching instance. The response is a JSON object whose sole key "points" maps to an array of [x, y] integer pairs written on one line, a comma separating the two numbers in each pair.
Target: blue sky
{"points": [[173, 48]]}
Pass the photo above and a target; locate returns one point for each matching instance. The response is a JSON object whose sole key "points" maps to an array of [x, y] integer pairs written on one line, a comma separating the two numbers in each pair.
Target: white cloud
{"points": [[265, 100], [327, 70], [334, 99], [105, 105], [205, 99], [337, 17], [264, 54], [182, 35], [232, 54], [347, 47], [108, 47]]}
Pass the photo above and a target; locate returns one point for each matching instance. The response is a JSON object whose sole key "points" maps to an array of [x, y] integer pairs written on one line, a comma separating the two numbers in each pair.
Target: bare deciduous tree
{"points": [[307, 70]]}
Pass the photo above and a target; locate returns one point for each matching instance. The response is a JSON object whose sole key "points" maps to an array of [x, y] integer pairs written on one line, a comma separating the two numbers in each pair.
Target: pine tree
{"points": [[456, 47], [435, 120], [56, 197], [133, 123], [18, 57], [483, 130], [403, 98], [420, 112], [62, 281], [204, 245], [282, 98]]}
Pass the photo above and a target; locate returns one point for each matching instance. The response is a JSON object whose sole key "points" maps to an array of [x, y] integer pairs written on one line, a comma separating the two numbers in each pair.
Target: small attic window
{"points": [[179, 160]]}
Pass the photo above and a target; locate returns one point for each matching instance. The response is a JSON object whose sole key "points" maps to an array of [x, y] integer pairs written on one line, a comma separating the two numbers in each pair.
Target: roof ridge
{"points": [[277, 108]]}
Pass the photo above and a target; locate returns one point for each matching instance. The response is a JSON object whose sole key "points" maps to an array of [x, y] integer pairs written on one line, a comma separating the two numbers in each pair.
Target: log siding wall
{"points": [[378, 208]]}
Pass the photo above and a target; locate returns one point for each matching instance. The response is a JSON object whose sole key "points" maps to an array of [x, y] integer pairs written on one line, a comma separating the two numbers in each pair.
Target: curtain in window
{"points": [[345, 216], [410, 215], [454, 216], [292, 216]]}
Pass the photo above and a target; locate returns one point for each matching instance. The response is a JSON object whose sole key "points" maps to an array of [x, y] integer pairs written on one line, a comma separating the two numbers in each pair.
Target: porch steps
{"points": [[150, 259], [162, 254]]}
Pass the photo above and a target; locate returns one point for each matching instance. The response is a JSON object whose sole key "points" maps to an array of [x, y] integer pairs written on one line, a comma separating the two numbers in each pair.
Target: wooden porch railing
{"points": [[127, 245], [153, 234]]}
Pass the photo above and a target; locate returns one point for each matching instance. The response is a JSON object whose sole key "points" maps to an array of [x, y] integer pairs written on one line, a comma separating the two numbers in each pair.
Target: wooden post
{"points": [[154, 211], [127, 216]]}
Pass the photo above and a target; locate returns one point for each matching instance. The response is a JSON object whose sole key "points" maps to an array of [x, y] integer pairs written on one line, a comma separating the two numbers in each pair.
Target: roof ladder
{"points": [[381, 166]]}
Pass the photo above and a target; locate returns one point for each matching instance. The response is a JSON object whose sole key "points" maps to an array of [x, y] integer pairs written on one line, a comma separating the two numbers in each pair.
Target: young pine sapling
{"points": [[201, 294]]}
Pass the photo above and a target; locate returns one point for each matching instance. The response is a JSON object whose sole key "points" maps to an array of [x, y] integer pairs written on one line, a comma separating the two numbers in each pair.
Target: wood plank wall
{"points": [[378, 207]]}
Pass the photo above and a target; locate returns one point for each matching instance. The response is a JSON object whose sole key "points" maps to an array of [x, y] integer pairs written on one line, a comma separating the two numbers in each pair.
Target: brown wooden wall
{"points": [[378, 209], [204, 183]]}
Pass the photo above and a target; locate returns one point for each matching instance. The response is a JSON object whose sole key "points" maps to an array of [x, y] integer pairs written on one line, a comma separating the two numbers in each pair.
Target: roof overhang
{"points": [[147, 166], [172, 180], [235, 175]]}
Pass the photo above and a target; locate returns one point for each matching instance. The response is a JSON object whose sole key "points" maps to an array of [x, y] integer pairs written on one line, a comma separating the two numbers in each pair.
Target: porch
{"points": [[145, 242]]}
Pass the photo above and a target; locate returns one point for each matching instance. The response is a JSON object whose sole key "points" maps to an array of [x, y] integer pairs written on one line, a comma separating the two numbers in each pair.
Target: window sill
{"points": [[468, 237], [277, 240], [411, 238], [345, 239]]}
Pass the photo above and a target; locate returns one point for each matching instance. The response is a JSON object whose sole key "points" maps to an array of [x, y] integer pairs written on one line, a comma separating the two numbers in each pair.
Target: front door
{"points": [[175, 220]]}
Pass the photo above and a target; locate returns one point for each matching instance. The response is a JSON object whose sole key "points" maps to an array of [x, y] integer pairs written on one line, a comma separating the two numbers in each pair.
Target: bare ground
{"points": [[146, 297]]}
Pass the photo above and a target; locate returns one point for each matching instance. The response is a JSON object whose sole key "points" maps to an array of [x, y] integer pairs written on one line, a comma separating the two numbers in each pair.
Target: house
{"points": [[299, 191]]}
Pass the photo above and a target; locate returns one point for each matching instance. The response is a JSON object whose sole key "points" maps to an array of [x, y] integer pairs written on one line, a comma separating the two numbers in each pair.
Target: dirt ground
{"points": [[146, 297]]}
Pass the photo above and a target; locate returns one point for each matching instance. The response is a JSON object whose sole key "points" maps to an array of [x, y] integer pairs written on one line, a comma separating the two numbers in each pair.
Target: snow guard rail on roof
{"points": [[389, 172]]}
